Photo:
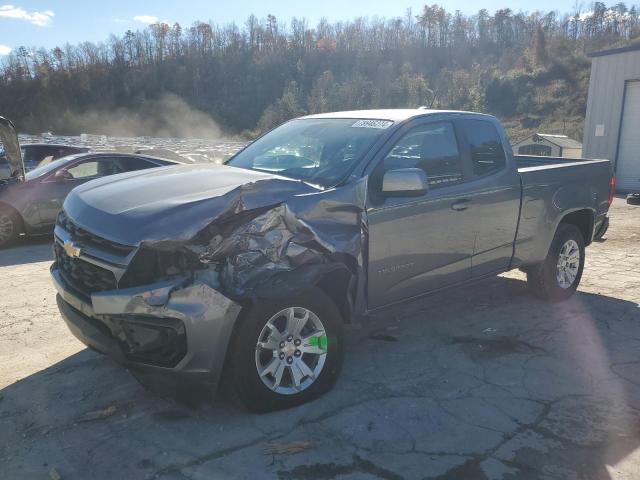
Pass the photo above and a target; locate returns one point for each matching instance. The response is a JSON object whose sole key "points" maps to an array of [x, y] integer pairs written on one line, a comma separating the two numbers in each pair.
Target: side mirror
{"points": [[405, 182], [62, 176]]}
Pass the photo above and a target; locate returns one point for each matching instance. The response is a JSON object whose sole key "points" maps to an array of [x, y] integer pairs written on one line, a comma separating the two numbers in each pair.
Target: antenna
{"points": [[435, 95], [424, 107]]}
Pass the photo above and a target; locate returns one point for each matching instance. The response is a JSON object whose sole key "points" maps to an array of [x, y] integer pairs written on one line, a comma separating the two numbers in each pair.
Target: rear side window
{"points": [[129, 164], [487, 154], [33, 154], [431, 147]]}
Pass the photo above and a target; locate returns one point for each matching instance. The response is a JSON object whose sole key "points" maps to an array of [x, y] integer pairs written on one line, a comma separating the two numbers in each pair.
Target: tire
{"points": [[263, 393], [546, 279], [9, 227], [602, 230]]}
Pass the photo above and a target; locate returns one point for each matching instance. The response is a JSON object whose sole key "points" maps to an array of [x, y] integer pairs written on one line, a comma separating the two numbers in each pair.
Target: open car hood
{"points": [[9, 139]]}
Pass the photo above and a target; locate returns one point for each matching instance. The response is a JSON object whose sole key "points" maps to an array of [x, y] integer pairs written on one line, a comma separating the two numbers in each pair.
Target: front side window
{"points": [[487, 154], [320, 151], [432, 148], [94, 168]]}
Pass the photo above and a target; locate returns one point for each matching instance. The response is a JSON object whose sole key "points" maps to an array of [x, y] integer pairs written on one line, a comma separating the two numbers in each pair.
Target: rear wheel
{"points": [[9, 227], [558, 277], [286, 353]]}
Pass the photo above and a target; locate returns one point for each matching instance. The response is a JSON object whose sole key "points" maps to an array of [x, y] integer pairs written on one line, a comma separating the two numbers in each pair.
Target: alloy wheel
{"points": [[291, 350], [568, 264]]}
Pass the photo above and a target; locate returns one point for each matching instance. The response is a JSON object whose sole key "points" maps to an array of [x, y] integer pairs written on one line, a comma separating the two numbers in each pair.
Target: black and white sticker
{"points": [[373, 124]]}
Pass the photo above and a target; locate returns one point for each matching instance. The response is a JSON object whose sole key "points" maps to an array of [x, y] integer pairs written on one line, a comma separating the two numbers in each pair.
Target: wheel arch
{"points": [[341, 286], [584, 220]]}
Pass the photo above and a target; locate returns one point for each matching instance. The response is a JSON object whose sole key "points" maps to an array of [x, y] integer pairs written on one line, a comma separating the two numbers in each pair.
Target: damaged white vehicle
{"points": [[251, 269]]}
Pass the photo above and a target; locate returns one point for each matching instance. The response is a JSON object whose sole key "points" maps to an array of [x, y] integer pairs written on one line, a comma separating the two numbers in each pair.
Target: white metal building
{"points": [[548, 145], [612, 125]]}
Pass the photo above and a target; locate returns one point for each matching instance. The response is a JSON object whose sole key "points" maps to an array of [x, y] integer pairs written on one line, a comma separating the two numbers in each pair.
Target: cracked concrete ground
{"points": [[480, 382]]}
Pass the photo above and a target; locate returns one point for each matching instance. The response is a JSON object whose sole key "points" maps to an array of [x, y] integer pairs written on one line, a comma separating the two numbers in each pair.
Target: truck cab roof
{"points": [[393, 114]]}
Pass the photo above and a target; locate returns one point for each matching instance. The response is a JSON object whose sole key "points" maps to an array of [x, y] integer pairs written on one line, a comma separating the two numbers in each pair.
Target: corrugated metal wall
{"points": [[604, 105]]}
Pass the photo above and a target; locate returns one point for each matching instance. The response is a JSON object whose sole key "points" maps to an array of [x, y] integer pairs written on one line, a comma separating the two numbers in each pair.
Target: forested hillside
{"points": [[529, 69]]}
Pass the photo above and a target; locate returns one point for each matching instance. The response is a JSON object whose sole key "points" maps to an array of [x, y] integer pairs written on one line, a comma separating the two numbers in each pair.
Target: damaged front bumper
{"points": [[172, 335]]}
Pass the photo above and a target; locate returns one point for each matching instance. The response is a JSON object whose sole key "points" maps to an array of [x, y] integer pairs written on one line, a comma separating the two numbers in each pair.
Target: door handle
{"points": [[460, 205]]}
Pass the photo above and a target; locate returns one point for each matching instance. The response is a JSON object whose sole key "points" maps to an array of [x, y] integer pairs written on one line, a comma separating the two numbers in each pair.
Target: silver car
{"points": [[30, 205]]}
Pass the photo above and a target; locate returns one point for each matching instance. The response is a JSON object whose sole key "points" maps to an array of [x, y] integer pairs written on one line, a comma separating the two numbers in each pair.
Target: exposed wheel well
{"points": [[583, 219], [8, 208], [340, 286]]}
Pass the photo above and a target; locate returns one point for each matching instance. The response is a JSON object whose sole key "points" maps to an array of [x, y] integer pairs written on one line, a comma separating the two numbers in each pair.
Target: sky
{"points": [[48, 23]]}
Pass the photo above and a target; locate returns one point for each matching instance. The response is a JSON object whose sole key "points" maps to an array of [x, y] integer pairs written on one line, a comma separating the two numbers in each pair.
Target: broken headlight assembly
{"points": [[153, 265]]}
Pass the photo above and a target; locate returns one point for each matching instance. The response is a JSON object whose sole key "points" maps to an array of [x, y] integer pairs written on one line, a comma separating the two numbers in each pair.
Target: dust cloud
{"points": [[166, 117]]}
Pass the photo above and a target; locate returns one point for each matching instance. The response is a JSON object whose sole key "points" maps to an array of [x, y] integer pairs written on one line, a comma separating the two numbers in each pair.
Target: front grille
{"points": [[84, 277], [87, 238]]}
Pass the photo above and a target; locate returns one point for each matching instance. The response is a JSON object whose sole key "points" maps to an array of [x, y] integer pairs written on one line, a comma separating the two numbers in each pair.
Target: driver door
{"points": [[419, 243]]}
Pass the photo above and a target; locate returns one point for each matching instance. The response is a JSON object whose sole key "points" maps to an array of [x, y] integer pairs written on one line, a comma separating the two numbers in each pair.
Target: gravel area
{"points": [[482, 382]]}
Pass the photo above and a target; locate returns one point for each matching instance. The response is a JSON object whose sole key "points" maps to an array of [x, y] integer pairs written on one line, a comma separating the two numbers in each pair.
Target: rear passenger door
{"points": [[419, 244], [494, 190]]}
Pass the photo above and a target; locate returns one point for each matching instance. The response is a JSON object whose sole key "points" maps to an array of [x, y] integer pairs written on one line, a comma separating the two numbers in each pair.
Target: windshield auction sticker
{"points": [[372, 124]]}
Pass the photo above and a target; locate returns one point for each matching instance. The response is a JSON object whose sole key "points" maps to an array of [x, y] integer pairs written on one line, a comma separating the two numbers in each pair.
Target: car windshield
{"points": [[44, 169], [318, 151]]}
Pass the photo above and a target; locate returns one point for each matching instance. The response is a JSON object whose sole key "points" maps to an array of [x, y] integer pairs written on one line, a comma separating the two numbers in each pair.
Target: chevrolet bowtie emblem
{"points": [[71, 249]]}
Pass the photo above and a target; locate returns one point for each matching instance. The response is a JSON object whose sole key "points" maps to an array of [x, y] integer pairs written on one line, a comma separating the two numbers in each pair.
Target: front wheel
{"points": [[558, 276], [9, 227], [287, 352]]}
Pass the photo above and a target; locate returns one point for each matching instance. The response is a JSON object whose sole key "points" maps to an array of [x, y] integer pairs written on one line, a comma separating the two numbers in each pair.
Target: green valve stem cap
{"points": [[320, 341]]}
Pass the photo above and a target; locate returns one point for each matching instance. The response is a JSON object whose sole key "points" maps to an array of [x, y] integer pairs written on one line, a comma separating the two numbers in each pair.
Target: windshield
{"points": [[318, 151], [44, 169]]}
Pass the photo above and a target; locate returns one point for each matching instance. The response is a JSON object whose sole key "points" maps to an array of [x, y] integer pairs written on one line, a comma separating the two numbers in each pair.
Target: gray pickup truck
{"points": [[248, 271]]}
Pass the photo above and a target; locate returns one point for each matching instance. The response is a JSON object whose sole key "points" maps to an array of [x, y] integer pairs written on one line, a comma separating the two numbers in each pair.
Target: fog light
{"points": [[155, 341]]}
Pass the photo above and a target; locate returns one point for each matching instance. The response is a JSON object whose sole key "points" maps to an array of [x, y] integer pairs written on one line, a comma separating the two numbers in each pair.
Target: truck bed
{"points": [[533, 162], [553, 186]]}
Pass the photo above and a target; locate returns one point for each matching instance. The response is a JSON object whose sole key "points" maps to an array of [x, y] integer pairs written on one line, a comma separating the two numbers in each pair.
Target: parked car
{"points": [[253, 267], [633, 199], [33, 154], [31, 205]]}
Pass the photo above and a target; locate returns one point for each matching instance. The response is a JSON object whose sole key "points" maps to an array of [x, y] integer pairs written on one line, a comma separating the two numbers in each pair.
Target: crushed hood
{"points": [[173, 203], [251, 234], [9, 139]]}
